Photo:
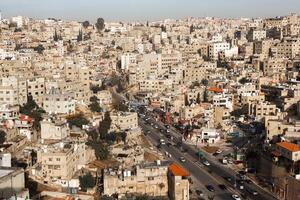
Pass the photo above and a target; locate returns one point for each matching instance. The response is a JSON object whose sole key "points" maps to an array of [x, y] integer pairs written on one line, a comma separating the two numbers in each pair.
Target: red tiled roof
{"points": [[215, 89], [176, 170], [275, 153], [289, 146]]}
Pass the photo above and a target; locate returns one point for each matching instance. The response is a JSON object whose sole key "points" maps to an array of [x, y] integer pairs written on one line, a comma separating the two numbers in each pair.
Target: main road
{"points": [[213, 174]]}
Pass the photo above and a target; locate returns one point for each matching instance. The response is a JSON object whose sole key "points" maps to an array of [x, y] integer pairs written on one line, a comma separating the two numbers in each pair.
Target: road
{"points": [[197, 170], [217, 170], [213, 175]]}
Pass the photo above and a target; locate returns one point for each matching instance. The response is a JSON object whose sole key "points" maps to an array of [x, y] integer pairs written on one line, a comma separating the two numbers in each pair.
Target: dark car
{"points": [[210, 188], [199, 193], [222, 187]]}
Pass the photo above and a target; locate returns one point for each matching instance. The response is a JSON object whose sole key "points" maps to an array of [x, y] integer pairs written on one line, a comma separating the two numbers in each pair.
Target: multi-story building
{"points": [[122, 121], [54, 130], [62, 160], [150, 179], [59, 103]]}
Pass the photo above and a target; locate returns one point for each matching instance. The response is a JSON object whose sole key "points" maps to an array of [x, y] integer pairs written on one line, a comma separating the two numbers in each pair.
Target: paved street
{"points": [[213, 175]]}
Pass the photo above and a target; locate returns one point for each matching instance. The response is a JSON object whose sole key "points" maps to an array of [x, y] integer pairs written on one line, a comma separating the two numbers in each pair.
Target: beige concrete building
{"points": [[150, 179], [59, 103], [121, 121], [54, 130], [261, 109], [36, 89], [62, 160], [178, 183]]}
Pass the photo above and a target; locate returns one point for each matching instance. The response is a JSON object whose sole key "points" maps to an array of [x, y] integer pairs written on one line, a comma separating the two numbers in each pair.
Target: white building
{"points": [[216, 48], [208, 135]]}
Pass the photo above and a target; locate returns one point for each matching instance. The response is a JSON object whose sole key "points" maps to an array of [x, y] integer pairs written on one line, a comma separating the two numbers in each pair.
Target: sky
{"points": [[143, 10]]}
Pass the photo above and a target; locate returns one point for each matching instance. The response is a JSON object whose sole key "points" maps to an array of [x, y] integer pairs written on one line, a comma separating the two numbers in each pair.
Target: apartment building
{"points": [[178, 183], [105, 98], [121, 121], [8, 95], [259, 110], [150, 179], [254, 35], [288, 150], [288, 48], [62, 160], [54, 129], [216, 48], [59, 103], [36, 89]]}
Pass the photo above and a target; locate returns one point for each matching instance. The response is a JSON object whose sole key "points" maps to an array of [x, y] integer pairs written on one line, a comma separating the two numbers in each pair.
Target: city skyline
{"points": [[145, 10]]}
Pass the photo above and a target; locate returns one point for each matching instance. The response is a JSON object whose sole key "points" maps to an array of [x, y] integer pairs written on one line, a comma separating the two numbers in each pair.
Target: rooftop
{"points": [[176, 170], [289, 146]]}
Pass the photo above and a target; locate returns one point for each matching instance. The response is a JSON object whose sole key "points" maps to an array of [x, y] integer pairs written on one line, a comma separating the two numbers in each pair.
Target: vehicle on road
{"points": [[168, 130], [148, 132], [253, 192], [206, 163], [199, 193], [222, 187], [236, 197], [210, 188], [182, 159], [162, 141], [156, 126]]}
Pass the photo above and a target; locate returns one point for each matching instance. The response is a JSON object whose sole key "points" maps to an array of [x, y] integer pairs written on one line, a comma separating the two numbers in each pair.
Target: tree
{"points": [[32, 110], [101, 150], [79, 36], [186, 100], [2, 136], [95, 107], [100, 24], [104, 125], [55, 37], [192, 29], [204, 82], [85, 24], [93, 134], [244, 80], [40, 48], [123, 136], [198, 100], [87, 181], [205, 95], [77, 120], [96, 88]]}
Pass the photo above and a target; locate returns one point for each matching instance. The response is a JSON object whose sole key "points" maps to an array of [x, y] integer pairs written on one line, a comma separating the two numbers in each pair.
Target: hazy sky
{"points": [[127, 10]]}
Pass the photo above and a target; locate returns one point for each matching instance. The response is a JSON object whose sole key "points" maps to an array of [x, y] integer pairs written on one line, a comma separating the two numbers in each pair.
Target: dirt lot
{"points": [[210, 149]]}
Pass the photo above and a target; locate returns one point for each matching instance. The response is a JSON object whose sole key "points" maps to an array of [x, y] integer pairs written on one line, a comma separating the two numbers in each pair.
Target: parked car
{"points": [[206, 163]]}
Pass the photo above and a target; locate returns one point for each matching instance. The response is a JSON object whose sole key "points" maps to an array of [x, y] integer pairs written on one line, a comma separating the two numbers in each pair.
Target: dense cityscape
{"points": [[194, 108]]}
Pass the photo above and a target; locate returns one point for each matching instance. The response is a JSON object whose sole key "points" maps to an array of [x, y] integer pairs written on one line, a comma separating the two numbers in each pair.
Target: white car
{"points": [[236, 197], [206, 163], [182, 159]]}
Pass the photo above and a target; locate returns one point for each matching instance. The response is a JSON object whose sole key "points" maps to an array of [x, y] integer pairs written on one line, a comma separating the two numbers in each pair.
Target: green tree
{"points": [[96, 88], [95, 107], [34, 111], [2, 136], [100, 24], [93, 134], [101, 150], [205, 95], [104, 125], [204, 82], [186, 100], [244, 80], [85, 24], [79, 36], [40, 48], [198, 100], [87, 181], [55, 37], [78, 120]]}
